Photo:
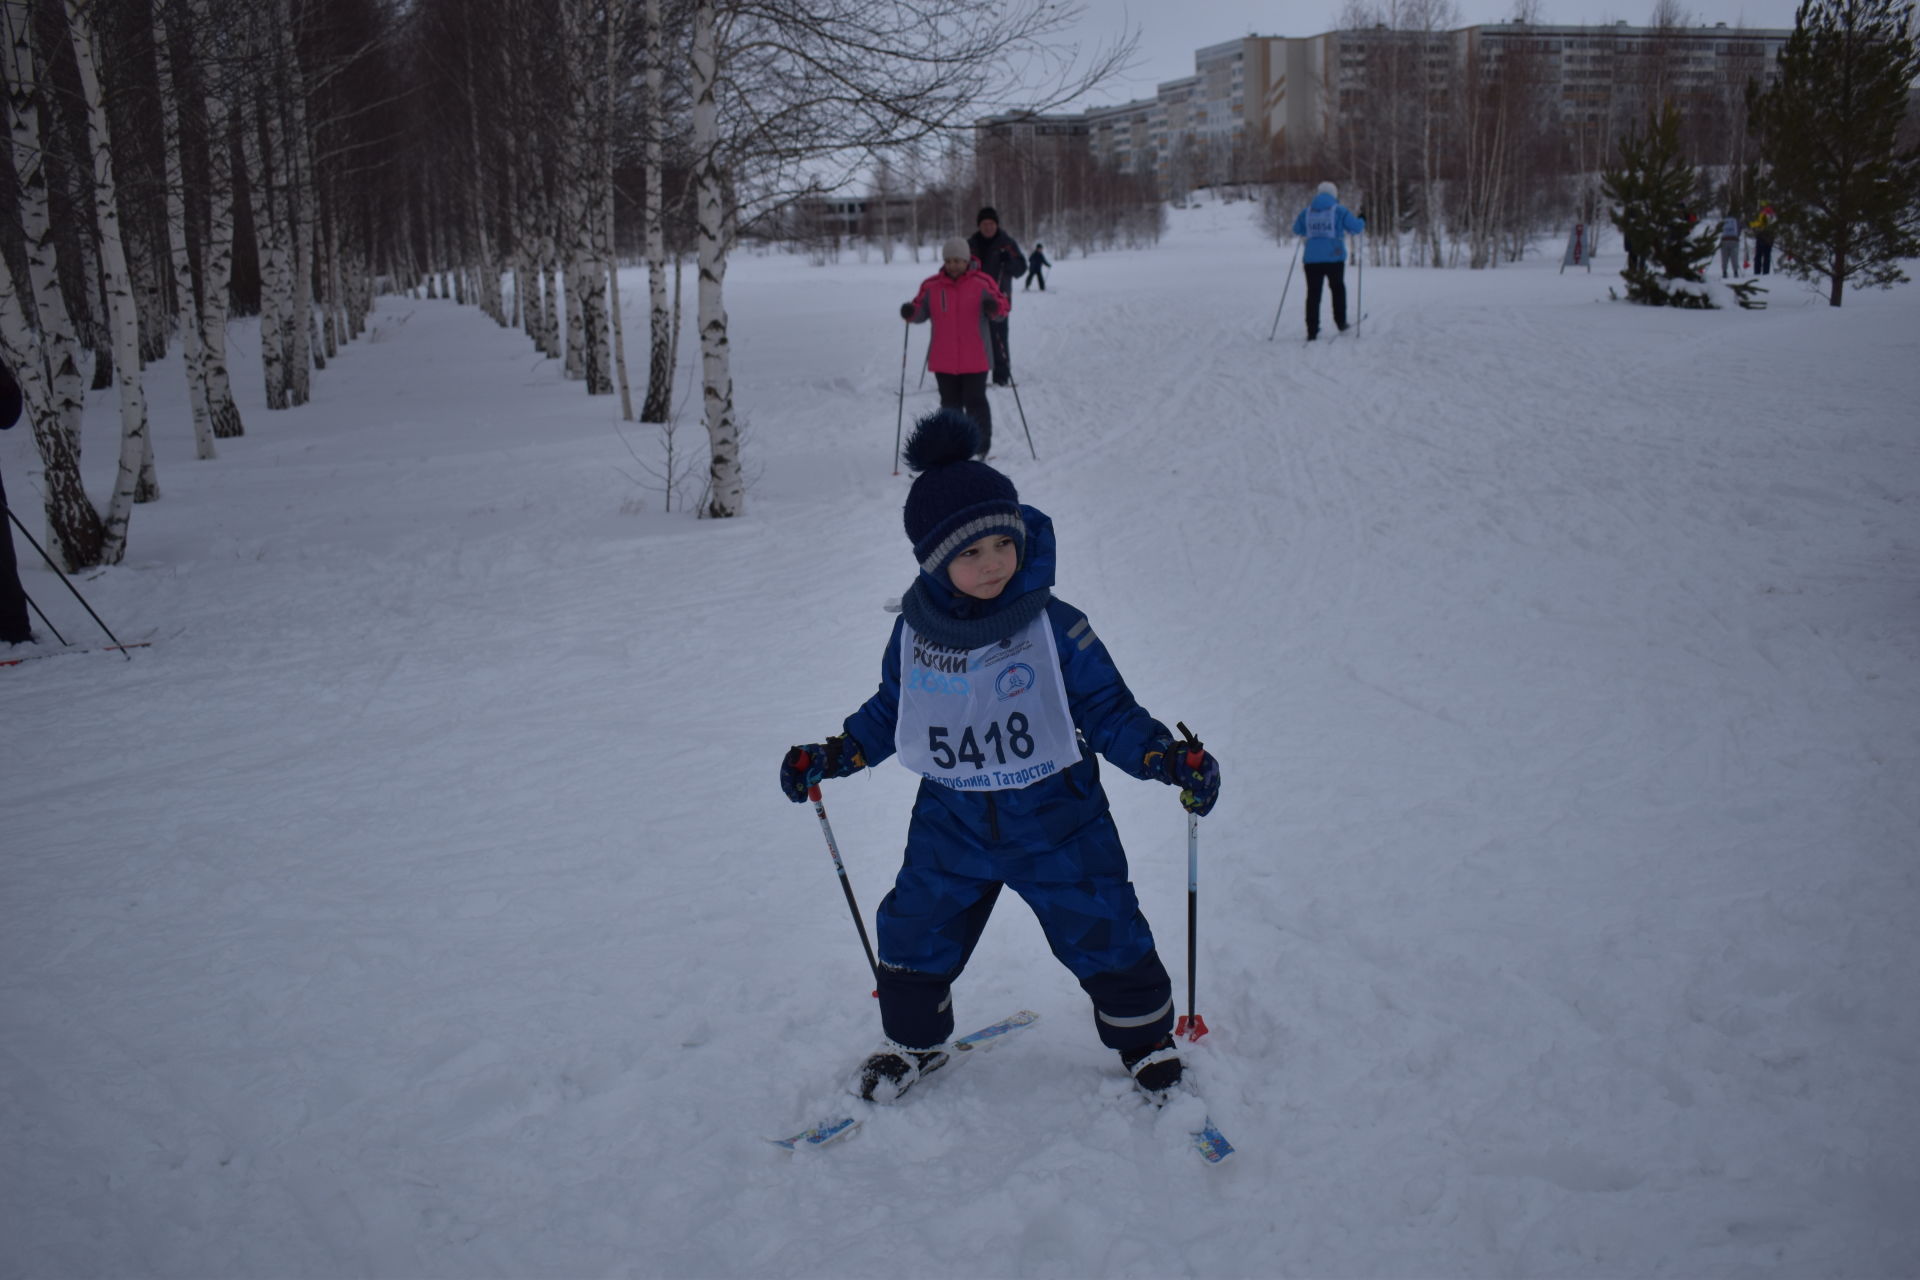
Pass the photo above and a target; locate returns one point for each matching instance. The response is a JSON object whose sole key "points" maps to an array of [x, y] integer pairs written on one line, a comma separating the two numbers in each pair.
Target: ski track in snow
{"points": [[421, 903]]}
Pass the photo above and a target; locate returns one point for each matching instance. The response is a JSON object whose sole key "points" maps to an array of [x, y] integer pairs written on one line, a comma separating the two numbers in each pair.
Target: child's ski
{"points": [[1211, 1143], [820, 1135], [832, 1130]]}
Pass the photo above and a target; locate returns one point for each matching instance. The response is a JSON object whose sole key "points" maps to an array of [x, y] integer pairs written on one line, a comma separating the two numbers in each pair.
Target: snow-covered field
{"points": [[421, 904]]}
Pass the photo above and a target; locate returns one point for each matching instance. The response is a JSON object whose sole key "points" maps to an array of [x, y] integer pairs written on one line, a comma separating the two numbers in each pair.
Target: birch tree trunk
{"points": [[216, 256], [659, 400], [726, 490], [299, 170], [192, 354], [75, 532], [616, 326], [58, 348], [269, 238], [134, 481], [484, 265]]}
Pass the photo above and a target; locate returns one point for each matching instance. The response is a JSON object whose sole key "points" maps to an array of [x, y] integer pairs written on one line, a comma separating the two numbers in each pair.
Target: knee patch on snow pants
{"points": [[1132, 1007]]}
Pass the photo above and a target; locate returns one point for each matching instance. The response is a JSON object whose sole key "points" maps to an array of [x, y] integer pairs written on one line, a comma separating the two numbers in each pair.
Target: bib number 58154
{"points": [[1014, 737]]}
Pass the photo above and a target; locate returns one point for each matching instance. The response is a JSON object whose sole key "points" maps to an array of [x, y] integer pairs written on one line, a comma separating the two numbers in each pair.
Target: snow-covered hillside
{"points": [[421, 903]]}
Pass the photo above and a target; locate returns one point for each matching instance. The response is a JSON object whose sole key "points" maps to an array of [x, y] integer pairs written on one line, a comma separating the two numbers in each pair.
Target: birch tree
{"points": [[31, 135], [192, 351], [659, 399], [134, 480], [216, 253]]}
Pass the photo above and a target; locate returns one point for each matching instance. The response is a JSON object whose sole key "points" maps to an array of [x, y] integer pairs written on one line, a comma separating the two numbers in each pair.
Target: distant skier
{"points": [[1037, 263], [1326, 223], [13, 597], [1000, 258], [961, 300], [1730, 245], [997, 695], [1762, 228]]}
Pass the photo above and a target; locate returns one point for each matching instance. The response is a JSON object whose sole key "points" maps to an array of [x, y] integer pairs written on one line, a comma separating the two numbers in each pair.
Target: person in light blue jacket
{"points": [[1325, 222]]}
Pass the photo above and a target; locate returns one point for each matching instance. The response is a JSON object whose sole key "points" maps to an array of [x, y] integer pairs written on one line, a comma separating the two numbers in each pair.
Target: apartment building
{"points": [[1260, 101]]}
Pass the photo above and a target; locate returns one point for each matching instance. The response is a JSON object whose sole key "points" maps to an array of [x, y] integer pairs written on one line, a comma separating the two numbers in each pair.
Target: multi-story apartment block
{"points": [[1271, 100]]}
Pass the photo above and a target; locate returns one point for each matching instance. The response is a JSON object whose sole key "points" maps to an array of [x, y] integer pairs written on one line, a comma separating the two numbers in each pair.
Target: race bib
{"points": [[1321, 223], [988, 719]]}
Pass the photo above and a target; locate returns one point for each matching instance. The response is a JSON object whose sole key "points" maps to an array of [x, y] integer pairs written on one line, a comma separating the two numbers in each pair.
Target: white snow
{"points": [[422, 904]]}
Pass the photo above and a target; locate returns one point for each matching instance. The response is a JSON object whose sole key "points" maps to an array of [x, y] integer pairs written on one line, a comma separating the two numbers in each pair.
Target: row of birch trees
{"points": [[174, 162]]}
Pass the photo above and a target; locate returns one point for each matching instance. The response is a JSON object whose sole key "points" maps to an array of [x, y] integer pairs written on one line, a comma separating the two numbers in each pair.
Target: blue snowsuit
{"points": [[1054, 841]]}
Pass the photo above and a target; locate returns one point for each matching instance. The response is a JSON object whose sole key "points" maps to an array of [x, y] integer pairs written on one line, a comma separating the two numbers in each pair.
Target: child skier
{"points": [[997, 695], [961, 301]]}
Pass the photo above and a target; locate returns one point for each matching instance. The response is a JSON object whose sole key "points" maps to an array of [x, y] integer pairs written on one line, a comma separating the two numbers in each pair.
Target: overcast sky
{"points": [[1169, 33]]}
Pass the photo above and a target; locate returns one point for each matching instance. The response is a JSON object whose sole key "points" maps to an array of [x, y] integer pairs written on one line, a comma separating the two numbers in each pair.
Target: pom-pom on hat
{"points": [[955, 501], [956, 250], [985, 213], [1328, 189]]}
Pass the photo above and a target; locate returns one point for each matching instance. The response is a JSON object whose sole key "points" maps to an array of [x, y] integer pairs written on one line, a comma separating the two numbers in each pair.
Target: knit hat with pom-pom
{"points": [[955, 501]]}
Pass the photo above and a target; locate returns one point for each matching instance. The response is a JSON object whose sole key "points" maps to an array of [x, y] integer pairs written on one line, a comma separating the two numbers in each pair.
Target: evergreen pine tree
{"points": [[1846, 194], [1652, 191]]}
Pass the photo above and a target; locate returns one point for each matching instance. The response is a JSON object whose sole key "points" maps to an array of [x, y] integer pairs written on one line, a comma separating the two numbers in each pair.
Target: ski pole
{"points": [[45, 620], [925, 360], [63, 577], [1283, 291], [846, 885], [1023, 415], [900, 413], [1192, 1025], [1360, 290]]}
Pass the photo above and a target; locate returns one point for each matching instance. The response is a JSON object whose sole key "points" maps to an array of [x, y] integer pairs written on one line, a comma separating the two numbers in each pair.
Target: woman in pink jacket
{"points": [[960, 298]]}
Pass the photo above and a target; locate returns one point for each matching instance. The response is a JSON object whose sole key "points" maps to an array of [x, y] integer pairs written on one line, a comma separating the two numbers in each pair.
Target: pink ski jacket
{"points": [[959, 310]]}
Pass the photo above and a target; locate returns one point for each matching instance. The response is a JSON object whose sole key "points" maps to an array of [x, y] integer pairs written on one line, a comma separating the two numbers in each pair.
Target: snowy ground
{"points": [[421, 904]]}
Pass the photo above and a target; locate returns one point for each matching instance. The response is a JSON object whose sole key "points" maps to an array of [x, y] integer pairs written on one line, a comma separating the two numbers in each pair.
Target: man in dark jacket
{"points": [[13, 598], [1000, 258]]}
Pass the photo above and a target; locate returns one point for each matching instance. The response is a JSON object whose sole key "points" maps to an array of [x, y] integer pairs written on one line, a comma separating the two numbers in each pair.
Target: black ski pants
{"points": [[1334, 276], [1002, 355], [968, 393], [13, 598]]}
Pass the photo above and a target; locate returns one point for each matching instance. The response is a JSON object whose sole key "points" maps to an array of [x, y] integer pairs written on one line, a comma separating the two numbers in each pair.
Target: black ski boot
{"points": [[894, 1069], [1155, 1068]]}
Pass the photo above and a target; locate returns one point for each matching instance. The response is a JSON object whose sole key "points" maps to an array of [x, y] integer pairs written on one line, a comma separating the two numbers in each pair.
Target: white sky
{"points": [[1171, 33]]}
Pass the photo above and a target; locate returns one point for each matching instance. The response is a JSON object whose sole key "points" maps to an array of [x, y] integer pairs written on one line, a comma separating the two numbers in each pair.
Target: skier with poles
{"points": [[960, 300], [1325, 222], [997, 695], [999, 256]]}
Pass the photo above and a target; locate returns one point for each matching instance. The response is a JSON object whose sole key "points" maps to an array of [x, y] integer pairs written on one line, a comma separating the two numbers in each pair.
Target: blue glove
{"points": [[804, 766], [1199, 782]]}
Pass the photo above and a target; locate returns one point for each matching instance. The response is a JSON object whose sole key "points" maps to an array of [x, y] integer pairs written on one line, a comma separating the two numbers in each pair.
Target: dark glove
{"points": [[906, 311], [987, 307], [804, 766], [1199, 783]]}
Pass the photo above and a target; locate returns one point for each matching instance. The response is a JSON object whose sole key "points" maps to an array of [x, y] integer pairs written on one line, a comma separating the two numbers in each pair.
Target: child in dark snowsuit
{"points": [[1037, 264], [998, 695]]}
